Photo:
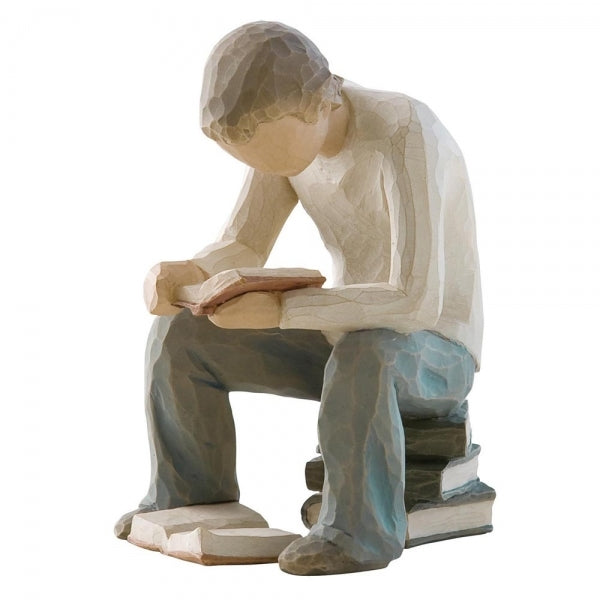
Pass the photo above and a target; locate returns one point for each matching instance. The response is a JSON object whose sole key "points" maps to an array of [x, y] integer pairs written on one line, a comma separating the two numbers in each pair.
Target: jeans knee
{"points": [[425, 369], [381, 344], [172, 335]]}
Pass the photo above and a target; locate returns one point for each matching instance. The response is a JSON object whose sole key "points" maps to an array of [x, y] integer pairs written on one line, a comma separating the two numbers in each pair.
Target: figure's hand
{"points": [[163, 280], [253, 310]]}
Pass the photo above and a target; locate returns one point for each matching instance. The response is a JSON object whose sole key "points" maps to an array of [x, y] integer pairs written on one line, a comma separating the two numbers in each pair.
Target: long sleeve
{"points": [[264, 204], [411, 180]]}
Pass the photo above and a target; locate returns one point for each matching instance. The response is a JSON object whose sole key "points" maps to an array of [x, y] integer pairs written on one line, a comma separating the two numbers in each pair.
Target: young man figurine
{"points": [[399, 333]]}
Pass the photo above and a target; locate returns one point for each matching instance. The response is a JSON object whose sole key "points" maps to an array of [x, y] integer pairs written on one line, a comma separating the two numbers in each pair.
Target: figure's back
{"points": [[367, 208]]}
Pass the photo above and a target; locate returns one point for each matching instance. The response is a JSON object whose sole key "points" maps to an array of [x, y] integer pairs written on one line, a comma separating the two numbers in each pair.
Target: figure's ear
{"points": [[325, 107], [336, 85]]}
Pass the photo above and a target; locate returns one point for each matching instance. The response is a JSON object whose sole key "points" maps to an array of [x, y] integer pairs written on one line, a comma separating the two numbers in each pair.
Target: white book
{"points": [[441, 479], [469, 513], [460, 472], [432, 478]]}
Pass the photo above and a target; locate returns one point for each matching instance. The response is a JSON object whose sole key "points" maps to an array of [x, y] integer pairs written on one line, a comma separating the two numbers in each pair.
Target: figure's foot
{"points": [[313, 555], [123, 526]]}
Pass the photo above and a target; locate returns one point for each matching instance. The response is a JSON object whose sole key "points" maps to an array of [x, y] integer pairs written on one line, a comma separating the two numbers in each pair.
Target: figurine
{"points": [[395, 340]]}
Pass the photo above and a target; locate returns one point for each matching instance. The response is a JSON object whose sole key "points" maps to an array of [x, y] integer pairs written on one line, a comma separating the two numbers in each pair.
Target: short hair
{"points": [[259, 73]]}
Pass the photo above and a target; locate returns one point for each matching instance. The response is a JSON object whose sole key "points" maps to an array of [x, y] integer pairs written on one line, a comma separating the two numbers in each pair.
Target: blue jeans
{"points": [[366, 383]]}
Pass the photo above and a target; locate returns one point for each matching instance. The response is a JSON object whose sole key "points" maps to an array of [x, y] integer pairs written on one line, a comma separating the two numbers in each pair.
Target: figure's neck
{"points": [[337, 130]]}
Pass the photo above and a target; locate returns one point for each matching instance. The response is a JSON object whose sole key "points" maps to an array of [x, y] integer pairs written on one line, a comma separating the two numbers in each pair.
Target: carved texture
{"points": [[477, 499], [371, 377], [406, 270], [191, 365], [441, 438], [313, 555], [429, 445], [425, 478], [259, 73], [394, 209]]}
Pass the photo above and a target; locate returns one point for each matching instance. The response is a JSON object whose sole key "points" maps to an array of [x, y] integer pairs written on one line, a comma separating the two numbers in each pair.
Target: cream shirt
{"points": [[393, 208]]}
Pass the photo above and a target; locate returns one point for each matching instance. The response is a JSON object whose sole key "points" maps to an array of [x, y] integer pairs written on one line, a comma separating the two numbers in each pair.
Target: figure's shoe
{"points": [[123, 526], [313, 555]]}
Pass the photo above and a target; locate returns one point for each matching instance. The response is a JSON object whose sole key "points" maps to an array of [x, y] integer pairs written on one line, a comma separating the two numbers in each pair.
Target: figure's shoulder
{"points": [[382, 115], [384, 112]]}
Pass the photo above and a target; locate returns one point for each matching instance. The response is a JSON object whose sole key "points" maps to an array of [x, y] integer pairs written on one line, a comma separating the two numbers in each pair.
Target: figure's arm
{"points": [[412, 297], [264, 204]]}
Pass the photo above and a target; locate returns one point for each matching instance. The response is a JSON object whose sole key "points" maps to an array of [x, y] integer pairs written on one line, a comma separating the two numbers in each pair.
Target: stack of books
{"points": [[444, 497]]}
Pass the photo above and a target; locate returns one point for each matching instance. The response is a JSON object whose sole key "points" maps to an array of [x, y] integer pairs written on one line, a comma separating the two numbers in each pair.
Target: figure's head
{"points": [[267, 96]]}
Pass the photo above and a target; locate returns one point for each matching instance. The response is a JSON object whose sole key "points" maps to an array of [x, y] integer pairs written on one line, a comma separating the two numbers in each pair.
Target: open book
{"points": [[226, 533], [203, 298]]}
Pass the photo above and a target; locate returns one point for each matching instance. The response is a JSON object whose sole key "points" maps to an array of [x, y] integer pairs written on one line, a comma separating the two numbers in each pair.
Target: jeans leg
{"points": [[371, 378], [433, 375], [191, 366], [190, 424], [362, 443]]}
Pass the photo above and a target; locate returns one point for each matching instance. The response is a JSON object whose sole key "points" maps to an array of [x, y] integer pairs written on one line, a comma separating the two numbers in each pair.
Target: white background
{"points": [[104, 171]]}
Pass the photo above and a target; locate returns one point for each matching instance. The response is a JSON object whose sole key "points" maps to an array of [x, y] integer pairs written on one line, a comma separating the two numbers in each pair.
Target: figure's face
{"points": [[283, 147]]}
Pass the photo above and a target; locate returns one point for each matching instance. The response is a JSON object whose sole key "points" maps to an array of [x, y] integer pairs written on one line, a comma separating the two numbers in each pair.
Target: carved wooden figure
{"points": [[390, 348]]}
